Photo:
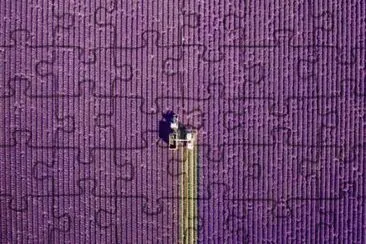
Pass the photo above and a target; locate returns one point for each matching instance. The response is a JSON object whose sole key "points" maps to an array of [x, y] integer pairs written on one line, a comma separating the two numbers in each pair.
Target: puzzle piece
{"points": [[14, 161], [248, 179], [185, 71], [346, 33], [321, 122], [163, 187], [146, 78], [129, 133], [284, 72], [239, 74], [327, 224], [82, 210], [127, 15], [20, 111], [77, 26], [9, 63], [162, 227], [105, 170], [227, 226], [75, 66], [34, 33], [85, 137], [30, 197], [217, 23], [17, 227]]}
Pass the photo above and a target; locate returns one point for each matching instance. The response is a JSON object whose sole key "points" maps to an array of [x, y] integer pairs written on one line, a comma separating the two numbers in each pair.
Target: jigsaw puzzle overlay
{"points": [[276, 90]]}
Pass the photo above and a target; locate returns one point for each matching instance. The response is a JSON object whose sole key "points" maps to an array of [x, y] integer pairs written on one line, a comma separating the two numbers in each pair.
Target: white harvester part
{"points": [[179, 137], [174, 126], [175, 123], [190, 141]]}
